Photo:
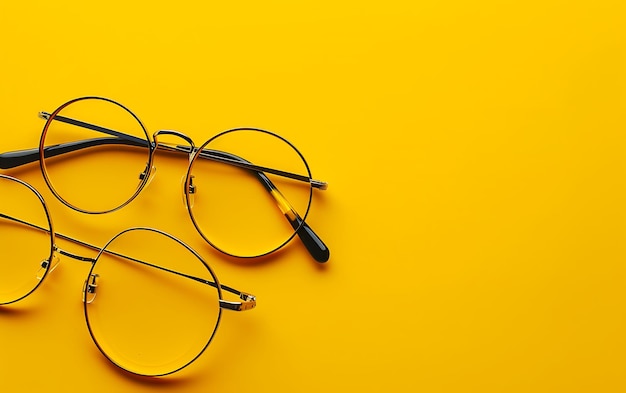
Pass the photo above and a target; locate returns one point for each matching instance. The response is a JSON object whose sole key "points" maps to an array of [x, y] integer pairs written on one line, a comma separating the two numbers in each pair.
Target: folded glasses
{"points": [[237, 186], [151, 303]]}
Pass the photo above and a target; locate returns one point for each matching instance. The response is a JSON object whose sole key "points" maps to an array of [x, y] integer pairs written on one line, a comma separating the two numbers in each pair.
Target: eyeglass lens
{"points": [[26, 253], [151, 312], [98, 172], [248, 213]]}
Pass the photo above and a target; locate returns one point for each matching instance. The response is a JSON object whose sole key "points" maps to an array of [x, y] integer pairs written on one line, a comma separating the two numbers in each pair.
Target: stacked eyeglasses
{"points": [[248, 192]]}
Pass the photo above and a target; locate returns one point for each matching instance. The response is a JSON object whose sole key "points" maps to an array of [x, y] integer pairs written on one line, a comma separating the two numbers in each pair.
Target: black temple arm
{"points": [[17, 158], [316, 247]]}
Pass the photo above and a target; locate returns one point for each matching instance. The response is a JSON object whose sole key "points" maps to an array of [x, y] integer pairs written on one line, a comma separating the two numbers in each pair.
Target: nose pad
{"points": [[47, 265], [151, 173], [89, 290], [191, 191]]}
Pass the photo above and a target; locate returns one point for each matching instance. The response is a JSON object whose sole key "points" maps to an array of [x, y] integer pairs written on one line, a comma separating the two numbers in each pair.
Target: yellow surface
{"points": [[475, 213]]}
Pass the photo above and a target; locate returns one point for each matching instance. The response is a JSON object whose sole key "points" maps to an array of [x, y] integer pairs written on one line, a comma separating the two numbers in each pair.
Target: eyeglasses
{"points": [[237, 185], [151, 303]]}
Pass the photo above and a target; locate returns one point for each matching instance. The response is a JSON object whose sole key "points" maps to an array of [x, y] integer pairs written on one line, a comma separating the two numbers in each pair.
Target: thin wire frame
{"points": [[122, 138], [316, 247], [247, 302], [298, 223], [98, 341], [48, 229]]}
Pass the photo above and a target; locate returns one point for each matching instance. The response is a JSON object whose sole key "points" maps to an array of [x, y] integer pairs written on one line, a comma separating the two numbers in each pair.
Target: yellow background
{"points": [[475, 214]]}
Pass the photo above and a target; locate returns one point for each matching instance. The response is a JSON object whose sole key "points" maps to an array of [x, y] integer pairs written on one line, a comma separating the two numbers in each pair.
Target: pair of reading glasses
{"points": [[152, 304], [96, 156]]}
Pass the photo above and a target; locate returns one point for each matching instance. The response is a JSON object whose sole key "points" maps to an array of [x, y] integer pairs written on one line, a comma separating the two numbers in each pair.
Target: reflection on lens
{"points": [[24, 248], [99, 169], [242, 212], [145, 311]]}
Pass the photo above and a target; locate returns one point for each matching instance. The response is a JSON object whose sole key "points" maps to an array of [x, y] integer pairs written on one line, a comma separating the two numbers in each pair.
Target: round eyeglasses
{"points": [[248, 191], [151, 303]]}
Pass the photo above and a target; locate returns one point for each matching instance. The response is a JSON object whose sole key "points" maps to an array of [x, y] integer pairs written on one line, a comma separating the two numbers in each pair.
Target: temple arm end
{"points": [[249, 302], [320, 185]]}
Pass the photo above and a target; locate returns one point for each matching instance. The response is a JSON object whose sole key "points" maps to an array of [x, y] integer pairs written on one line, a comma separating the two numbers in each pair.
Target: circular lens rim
{"points": [[50, 231], [218, 287], [45, 174], [190, 207]]}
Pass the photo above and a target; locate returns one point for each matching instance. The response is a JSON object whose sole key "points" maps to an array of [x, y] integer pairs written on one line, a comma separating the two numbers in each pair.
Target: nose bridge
{"points": [[175, 133], [189, 149]]}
